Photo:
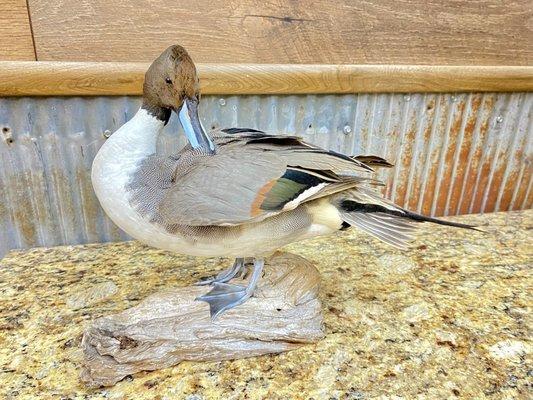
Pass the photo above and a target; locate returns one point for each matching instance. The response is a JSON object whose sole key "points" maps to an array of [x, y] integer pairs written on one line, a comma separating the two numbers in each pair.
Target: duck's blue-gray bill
{"points": [[188, 115]]}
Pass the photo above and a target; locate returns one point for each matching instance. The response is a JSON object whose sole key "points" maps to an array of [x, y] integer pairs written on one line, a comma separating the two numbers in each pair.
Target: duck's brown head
{"points": [[171, 84], [169, 81]]}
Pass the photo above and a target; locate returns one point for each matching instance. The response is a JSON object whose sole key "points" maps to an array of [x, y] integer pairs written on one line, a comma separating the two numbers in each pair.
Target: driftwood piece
{"points": [[169, 327]]}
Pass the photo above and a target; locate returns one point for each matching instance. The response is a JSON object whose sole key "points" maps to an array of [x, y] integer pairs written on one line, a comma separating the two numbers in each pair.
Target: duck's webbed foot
{"points": [[227, 275], [225, 296]]}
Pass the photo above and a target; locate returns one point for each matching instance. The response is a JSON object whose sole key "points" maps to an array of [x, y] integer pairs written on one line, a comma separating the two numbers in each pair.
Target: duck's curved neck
{"points": [[121, 154], [137, 136], [119, 158]]}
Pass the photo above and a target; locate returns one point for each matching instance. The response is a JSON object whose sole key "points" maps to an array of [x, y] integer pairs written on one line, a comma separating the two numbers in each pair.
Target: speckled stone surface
{"points": [[449, 319]]}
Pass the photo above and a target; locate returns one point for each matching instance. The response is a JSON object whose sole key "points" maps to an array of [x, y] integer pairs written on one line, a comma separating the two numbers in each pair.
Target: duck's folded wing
{"points": [[237, 187], [296, 152]]}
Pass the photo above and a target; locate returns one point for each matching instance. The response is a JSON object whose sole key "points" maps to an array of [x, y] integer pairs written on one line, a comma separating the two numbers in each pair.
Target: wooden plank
{"points": [[87, 79], [15, 32], [477, 32]]}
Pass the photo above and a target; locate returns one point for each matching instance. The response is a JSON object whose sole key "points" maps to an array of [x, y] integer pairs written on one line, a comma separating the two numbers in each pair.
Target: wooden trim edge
{"points": [[30, 78]]}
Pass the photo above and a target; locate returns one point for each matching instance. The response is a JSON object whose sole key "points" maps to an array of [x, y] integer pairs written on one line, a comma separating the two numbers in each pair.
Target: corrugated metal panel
{"points": [[454, 153]]}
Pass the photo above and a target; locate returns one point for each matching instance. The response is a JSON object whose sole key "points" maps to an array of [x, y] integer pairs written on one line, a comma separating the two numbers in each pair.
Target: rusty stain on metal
{"points": [[459, 165], [473, 162], [453, 153], [449, 151], [416, 180], [441, 124], [484, 153]]}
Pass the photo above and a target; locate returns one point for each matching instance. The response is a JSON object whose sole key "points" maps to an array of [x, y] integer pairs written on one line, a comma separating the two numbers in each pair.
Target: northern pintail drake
{"points": [[234, 192]]}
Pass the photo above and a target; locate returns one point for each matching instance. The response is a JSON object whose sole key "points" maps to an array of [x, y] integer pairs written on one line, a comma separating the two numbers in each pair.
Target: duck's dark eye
{"points": [[168, 80]]}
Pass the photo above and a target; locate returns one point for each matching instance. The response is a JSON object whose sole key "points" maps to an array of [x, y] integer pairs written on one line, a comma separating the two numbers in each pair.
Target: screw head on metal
{"points": [[7, 134], [347, 129], [222, 102], [499, 119]]}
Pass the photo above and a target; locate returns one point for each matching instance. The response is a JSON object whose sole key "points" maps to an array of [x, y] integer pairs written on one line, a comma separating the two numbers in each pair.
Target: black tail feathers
{"points": [[422, 218], [353, 206]]}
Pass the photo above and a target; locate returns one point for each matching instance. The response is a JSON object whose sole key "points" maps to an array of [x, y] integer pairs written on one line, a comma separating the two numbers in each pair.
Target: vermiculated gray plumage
{"points": [[209, 196]]}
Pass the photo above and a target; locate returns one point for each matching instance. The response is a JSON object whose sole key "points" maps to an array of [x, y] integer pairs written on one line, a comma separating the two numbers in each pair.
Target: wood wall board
{"points": [[477, 32], [85, 79], [16, 41]]}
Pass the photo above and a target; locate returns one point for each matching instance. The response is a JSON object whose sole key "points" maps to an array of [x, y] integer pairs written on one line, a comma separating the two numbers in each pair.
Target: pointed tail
{"points": [[383, 219]]}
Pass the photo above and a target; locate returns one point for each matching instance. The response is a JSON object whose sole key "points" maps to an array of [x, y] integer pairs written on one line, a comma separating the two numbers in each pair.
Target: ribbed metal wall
{"points": [[454, 153]]}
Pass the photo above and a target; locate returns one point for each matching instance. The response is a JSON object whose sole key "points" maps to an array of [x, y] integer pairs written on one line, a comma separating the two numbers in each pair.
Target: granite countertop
{"points": [[448, 319]]}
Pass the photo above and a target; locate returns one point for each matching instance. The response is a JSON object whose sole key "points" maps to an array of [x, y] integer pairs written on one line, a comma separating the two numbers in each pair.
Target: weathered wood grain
{"points": [[15, 33], [171, 326], [71, 78], [478, 32]]}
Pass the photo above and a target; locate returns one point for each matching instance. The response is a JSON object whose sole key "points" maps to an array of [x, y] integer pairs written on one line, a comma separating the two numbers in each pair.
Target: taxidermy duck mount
{"points": [[234, 192]]}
